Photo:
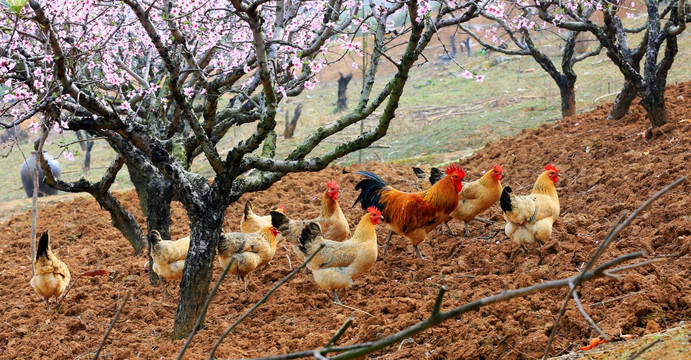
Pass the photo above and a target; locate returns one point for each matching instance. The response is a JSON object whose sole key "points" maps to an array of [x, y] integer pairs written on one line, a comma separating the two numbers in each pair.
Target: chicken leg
{"points": [[336, 300], [243, 281], [386, 245], [417, 250]]}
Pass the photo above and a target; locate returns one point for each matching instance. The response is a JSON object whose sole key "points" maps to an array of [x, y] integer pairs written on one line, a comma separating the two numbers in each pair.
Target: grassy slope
{"points": [[441, 116]]}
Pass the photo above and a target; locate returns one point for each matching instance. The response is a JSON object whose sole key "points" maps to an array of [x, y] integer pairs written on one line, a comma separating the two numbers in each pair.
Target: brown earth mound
{"points": [[607, 169]]}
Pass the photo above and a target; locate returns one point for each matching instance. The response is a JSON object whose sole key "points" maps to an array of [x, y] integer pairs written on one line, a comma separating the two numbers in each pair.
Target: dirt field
{"points": [[607, 169]]}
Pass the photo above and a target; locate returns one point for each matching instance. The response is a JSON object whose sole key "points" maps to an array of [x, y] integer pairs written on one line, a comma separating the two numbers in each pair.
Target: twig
{"points": [[587, 191], [440, 297], [615, 299], [205, 308], [340, 332], [353, 308], [587, 317], [112, 323], [575, 178], [638, 264], [641, 351], [616, 229], [260, 302]]}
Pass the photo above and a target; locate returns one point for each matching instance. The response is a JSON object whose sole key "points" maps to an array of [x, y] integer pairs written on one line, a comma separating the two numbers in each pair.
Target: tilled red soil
{"points": [[607, 169]]}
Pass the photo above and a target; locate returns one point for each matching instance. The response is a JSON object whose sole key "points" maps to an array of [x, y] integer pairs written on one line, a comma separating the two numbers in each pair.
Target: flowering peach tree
{"points": [[163, 81]]}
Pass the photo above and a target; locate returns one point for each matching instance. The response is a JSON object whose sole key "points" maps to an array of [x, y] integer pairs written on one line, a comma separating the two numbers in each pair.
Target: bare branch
{"points": [[202, 314], [261, 301], [112, 324]]}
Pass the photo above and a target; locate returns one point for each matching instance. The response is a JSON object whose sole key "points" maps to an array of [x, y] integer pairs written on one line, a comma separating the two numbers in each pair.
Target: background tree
{"points": [[522, 34], [649, 84], [342, 101], [163, 82]]}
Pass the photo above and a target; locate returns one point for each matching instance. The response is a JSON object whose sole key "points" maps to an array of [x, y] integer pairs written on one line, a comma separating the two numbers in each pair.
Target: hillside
{"points": [[607, 168]]}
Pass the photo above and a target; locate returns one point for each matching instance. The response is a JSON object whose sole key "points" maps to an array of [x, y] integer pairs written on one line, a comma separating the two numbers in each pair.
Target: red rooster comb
{"points": [[498, 168], [550, 167], [273, 230], [333, 185], [283, 208], [374, 210], [455, 168]]}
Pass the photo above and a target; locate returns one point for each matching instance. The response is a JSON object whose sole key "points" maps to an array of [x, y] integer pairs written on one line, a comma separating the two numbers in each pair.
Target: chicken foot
{"points": [[447, 232], [386, 245], [485, 221]]}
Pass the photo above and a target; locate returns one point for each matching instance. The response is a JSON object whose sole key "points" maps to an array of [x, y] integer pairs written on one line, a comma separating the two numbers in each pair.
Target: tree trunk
{"points": [[155, 195], [568, 96], [87, 155], [86, 146], [466, 43], [291, 124], [342, 103], [623, 101], [194, 287], [452, 42], [653, 101], [159, 195]]}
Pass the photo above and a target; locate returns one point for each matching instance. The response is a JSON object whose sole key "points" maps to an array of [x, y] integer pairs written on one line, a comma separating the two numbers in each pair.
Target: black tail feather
{"points": [[248, 209], [42, 249], [309, 233], [154, 237], [370, 190], [505, 199], [435, 174], [421, 174], [279, 221]]}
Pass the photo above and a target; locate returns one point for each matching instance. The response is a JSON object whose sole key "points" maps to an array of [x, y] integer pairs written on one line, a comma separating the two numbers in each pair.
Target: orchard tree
{"points": [[664, 23], [163, 81], [517, 26]]}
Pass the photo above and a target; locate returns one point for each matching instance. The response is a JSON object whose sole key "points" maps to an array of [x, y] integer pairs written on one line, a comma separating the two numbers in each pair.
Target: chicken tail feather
{"points": [[419, 173], [248, 210], [42, 249], [370, 190], [154, 237], [505, 199], [309, 233], [435, 174], [279, 221]]}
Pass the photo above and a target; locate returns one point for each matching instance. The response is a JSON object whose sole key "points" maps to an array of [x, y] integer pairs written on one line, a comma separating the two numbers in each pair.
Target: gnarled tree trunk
{"points": [[567, 90], [623, 101], [155, 195], [194, 287], [653, 101]]}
